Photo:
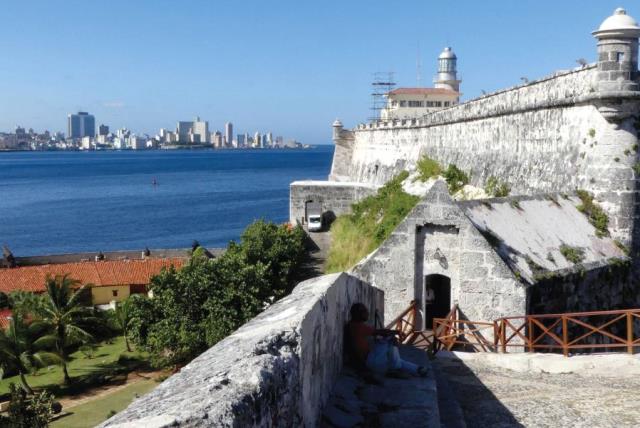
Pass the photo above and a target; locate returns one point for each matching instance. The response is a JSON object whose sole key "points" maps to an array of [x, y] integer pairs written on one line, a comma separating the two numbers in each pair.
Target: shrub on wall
{"points": [[497, 188], [456, 178], [428, 168], [594, 212], [371, 222]]}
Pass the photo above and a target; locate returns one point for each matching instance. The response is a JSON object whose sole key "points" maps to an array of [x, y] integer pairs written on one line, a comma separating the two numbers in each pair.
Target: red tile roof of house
{"points": [[100, 274], [5, 318], [423, 91]]}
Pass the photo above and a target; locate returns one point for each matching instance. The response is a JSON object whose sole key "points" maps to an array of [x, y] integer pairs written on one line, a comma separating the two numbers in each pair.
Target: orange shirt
{"points": [[360, 334]]}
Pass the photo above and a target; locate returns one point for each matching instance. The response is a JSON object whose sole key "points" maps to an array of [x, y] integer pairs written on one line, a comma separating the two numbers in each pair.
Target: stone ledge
{"points": [[280, 366]]}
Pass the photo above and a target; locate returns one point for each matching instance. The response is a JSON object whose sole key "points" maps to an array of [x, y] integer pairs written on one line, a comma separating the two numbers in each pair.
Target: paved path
{"points": [[491, 397], [379, 402]]}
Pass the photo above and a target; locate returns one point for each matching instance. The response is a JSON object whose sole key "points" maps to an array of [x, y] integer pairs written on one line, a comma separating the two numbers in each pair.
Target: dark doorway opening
{"points": [[438, 300]]}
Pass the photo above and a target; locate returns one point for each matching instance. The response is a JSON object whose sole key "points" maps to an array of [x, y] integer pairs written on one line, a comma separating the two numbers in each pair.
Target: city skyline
{"points": [[303, 66]]}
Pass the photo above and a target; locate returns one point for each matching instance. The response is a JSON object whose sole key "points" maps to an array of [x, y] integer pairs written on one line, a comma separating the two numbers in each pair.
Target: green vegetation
{"points": [[592, 132], [636, 169], [97, 411], [514, 203], [64, 318], [28, 412], [455, 178], [122, 318], [371, 222], [109, 361], [18, 353], [616, 159], [206, 300], [496, 187], [596, 215], [627, 152], [622, 247], [573, 254], [428, 168]]}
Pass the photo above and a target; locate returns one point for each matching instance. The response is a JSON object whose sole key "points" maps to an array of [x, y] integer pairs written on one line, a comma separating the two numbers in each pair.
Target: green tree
{"points": [[17, 350], [198, 305], [64, 318], [32, 412], [122, 317]]}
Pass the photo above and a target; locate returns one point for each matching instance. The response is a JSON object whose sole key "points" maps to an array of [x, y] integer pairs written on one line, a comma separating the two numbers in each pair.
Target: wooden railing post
{"points": [[629, 332], [565, 336], [530, 334], [503, 335]]}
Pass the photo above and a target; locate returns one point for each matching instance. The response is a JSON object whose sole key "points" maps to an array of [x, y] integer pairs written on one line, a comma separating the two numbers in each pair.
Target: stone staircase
{"points": [[380, 402]]}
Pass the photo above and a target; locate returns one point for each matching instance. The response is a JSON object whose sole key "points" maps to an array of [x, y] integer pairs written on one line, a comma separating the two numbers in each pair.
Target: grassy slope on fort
{"points": [[372, 221]]}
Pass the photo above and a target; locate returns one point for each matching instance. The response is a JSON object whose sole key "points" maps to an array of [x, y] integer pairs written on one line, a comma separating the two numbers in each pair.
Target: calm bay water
{"points": [[62, 202]]}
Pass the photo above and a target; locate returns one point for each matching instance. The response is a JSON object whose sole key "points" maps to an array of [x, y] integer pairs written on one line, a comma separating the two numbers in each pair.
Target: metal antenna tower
{"points": [[383, 83]]}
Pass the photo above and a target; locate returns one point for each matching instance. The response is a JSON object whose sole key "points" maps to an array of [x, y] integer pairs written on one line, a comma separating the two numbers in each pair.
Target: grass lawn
{"points": [[103, 365], [96, 411]]}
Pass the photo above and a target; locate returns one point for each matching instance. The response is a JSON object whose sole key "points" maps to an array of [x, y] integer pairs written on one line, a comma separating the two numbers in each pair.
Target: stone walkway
{"points": [[382, 401], [491, 397]]}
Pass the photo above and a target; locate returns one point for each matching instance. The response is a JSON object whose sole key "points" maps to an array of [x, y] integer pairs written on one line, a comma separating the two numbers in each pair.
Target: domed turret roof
{"points": [[337, 123], [618, 24], [447, 53]]}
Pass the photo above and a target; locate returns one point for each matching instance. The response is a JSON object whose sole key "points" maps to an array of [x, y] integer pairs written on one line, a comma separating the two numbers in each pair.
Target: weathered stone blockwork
{"points": [[548, 135], [481, 283], [335, 197], [278, 369]]}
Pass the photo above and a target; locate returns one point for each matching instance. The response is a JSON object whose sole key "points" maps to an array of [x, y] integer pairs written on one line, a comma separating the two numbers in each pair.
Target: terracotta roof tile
{"points": [[100, 274]]}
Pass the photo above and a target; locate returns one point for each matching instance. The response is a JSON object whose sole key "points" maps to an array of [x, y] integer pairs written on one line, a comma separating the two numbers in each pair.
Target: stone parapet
{"points": [[278, 369]]}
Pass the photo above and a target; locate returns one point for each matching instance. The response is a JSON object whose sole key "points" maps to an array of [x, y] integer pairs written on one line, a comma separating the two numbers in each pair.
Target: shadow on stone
{"points": [[480, 407]]}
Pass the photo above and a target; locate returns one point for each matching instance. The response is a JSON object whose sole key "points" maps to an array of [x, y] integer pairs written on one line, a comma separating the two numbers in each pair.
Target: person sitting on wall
{"points": [[375, 349]]}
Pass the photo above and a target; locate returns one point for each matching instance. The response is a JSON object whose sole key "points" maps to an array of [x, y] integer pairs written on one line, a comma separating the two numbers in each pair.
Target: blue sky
{"points": [[287, 66]]}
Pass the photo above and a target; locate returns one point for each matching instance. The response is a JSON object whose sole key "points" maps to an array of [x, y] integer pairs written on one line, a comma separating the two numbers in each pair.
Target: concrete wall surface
{"points": [[276, 370], [334, 197], [437, 238]]}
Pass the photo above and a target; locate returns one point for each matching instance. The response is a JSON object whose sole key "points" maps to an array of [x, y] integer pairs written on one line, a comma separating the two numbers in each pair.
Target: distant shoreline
{"points": [[169, 149]]}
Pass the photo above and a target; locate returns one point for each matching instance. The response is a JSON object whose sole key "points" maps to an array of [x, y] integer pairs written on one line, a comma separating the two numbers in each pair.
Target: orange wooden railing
{"points": [[570, 331], [464, 333], [576, 331], [405, 323]]}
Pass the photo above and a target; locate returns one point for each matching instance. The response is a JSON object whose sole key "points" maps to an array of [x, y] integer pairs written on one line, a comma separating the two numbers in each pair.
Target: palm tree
{"points": [[17, 350], [64, 318], [123, 319]]}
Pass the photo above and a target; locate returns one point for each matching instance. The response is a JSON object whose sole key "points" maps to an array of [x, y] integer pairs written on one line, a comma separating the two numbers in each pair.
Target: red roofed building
{"points": [[112, 280], [413, 103]]}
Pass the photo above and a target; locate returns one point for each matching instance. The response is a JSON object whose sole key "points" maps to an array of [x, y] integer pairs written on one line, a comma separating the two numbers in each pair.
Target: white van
{"points": [[314, 223]]}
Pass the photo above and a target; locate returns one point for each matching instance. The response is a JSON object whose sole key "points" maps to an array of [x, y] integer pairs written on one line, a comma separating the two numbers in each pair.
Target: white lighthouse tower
{"points": [[447, 71]]}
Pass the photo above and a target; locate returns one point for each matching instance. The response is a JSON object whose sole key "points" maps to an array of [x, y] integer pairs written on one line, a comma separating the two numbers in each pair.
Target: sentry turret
{"points": [[618, 53]]}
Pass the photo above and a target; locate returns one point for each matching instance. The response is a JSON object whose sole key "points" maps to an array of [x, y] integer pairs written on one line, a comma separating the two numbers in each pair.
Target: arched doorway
{"points": [[437, 297]]}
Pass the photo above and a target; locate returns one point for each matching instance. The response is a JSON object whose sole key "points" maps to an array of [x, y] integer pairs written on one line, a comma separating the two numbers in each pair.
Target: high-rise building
{"points": [[81, 125], [269, 140], [217, 140], [193, 132], [228, 133], [257, 140], [241, 140], [200, 131], [103, 130]]}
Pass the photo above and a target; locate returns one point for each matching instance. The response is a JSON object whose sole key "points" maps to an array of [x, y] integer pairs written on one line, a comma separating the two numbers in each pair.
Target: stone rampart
{"points": [[550, 135], [335, 198], [278, 369]]}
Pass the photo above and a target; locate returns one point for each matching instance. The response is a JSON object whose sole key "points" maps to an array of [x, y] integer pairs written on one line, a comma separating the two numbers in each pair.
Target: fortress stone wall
{"points": [[559, 133], [335, 198], [437, 238], [276, 370]]}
